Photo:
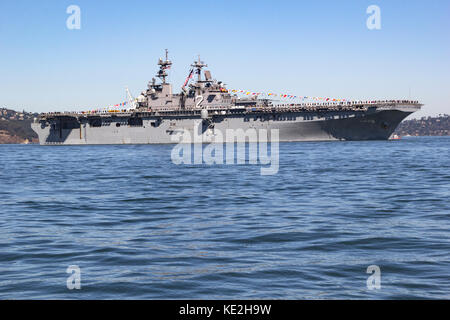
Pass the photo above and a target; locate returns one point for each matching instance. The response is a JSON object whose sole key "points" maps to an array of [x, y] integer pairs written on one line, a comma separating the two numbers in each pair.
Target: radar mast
{"points": [[198, 65], [163, 66]]}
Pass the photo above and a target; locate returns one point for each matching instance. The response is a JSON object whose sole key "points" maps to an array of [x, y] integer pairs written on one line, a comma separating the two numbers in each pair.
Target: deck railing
{"points": [[311, 106]]}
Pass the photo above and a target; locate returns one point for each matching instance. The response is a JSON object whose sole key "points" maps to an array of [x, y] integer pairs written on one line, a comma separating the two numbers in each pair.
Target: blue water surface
{"points": [[140, 227]]}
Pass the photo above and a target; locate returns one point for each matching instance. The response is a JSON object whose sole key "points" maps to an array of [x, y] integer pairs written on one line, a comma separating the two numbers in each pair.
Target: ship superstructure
{"points": [[207, 106]]}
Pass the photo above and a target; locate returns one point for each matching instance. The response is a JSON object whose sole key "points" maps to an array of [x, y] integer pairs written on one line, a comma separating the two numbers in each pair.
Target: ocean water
{"points": [[140, 227]]}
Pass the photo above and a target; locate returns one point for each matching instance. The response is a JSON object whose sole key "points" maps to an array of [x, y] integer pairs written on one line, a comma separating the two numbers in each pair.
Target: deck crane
{"points": [[132, 102]]}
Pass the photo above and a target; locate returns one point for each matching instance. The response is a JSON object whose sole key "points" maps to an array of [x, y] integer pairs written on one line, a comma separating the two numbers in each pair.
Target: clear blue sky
{"points": [[313, 48]]}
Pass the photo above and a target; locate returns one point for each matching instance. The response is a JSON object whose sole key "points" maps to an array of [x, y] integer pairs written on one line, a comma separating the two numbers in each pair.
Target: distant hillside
{"points": [[437, 126], [15, 127]]}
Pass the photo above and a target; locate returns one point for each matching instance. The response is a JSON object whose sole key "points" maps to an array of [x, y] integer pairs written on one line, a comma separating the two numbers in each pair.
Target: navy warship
{"points": [[205, 106]]}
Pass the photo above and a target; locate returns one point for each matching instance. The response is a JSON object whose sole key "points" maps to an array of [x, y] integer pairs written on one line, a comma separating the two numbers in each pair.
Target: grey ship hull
{"points": [[371, 124]]}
